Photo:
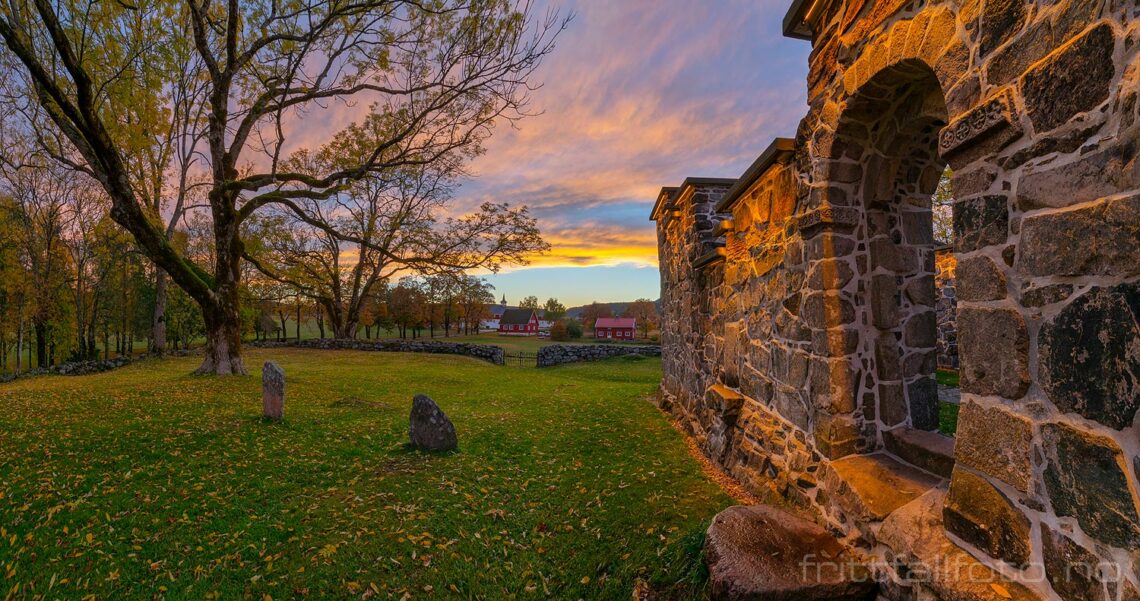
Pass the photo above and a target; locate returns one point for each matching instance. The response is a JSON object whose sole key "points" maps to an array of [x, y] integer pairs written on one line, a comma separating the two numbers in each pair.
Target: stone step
{"points": [[759, 552], [930, 451], [867, 488], [927, 564]]}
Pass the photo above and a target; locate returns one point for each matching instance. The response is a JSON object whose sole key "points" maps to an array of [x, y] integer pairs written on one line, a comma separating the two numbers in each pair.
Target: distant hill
{"points": [[617, 308]]}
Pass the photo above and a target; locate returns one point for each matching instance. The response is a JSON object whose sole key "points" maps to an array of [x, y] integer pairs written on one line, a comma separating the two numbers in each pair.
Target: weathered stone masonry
{"points": [[800, 332]]}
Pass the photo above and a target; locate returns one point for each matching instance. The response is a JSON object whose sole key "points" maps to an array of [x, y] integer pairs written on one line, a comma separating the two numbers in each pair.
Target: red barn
{"points": [[523, 322], [615, 328]]}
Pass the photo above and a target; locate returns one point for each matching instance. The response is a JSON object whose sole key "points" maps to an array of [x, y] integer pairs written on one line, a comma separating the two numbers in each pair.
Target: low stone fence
{"points": [[72, 368], [83, 368], [486, 352], [557, 354]]}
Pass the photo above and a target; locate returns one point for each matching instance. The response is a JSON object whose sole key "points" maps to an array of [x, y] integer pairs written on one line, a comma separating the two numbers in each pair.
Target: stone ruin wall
{"points": [[946, 307], [811, 338]]}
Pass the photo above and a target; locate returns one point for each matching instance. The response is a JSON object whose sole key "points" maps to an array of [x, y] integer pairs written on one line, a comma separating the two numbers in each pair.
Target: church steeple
{"points": [[504, 301]]}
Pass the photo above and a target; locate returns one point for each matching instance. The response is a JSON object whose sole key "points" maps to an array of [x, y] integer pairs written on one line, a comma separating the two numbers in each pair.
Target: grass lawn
{"points": [[147, 482], [947, 377], [947, 412]]}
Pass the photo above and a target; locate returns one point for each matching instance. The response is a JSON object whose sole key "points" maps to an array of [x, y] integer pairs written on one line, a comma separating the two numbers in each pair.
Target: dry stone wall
{"points": [[486, 352], [946, 306], [801, 320], [557, 354]]}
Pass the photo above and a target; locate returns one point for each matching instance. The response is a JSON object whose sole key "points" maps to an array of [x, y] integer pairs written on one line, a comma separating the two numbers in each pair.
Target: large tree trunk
{"points": [[221, 310], [41, 344], [158, 320], [20, 340], [223, 341]]}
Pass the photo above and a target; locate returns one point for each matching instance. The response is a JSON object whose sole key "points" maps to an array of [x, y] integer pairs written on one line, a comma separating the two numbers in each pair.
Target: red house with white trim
{"points": [[615, 328], [522, 322]]}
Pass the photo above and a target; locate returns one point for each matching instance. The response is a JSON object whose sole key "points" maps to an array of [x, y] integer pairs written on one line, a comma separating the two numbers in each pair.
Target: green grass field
{"points": [[147, 482]]}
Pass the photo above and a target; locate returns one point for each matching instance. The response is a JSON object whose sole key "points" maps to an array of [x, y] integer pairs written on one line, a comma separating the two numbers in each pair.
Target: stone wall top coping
{"points": [[725, 392], [664, 201], [724, 227], [780, 147], [795, 21], [715, 255], [672, 194]]}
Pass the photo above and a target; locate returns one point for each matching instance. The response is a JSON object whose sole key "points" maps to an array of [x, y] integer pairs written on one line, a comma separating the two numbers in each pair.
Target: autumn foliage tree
{"points": [[594, 311], [438, 75], [646, 314]]}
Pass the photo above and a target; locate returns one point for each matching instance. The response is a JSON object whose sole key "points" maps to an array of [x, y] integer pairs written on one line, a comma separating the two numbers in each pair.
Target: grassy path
{"points": [[150, 483]]}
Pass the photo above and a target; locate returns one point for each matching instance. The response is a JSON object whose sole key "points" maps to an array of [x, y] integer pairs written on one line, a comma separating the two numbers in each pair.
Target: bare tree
{"points": [[438, 76]]}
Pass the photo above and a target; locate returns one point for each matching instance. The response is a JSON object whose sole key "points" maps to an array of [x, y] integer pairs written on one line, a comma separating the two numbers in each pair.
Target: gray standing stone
{"points": [[429, 428], [273, 391]]}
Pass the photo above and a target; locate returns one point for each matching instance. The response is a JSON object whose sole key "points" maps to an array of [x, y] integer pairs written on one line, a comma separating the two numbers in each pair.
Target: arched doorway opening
{"points": [[888, 135]]}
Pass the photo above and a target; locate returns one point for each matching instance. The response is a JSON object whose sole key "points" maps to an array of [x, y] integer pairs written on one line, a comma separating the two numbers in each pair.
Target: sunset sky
{"points": [[638, 95]]}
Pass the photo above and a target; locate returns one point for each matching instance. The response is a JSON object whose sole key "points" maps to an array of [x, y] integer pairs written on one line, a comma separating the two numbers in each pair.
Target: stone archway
{"points": [[888, 134], [810, 349]]}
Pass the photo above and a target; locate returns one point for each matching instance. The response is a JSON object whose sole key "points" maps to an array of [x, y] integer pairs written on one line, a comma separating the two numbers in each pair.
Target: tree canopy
{"points": [[424, 83]]}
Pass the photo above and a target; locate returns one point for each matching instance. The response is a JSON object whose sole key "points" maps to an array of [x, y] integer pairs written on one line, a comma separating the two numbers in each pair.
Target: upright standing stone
{"points": [[273, 391], [429, 428]]}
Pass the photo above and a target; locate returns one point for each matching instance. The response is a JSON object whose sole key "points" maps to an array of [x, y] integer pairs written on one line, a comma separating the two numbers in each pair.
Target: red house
{"points": [[523, 322], [615, 328]]}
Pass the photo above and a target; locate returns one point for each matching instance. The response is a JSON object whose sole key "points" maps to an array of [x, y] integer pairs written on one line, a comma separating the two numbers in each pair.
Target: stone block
{"points": [[973, 181], [979, 279], [1001, 19], [995, 442], [1090, 356], [870, 487], [993, 346], [1092, 176], [921, 330], [834, 384], [1073, 80], [916, 536], [892, 403], [835, 342], [980, 222], [885, 254], [760, 552], [1085, 478], [887, 357], [1073, 570], [919, 363], [789, 403], [930, 451], [917, 226], [837, 435], [921, 291], [985, 129], [827, 310], [983, 516], [1045, 295], [884, 301], [830, 274], [922, 398], [1100, 239]]}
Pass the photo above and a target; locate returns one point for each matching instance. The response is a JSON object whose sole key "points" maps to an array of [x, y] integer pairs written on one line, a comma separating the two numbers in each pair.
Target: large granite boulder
{"points": [[762, 553], [430, 429]]}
